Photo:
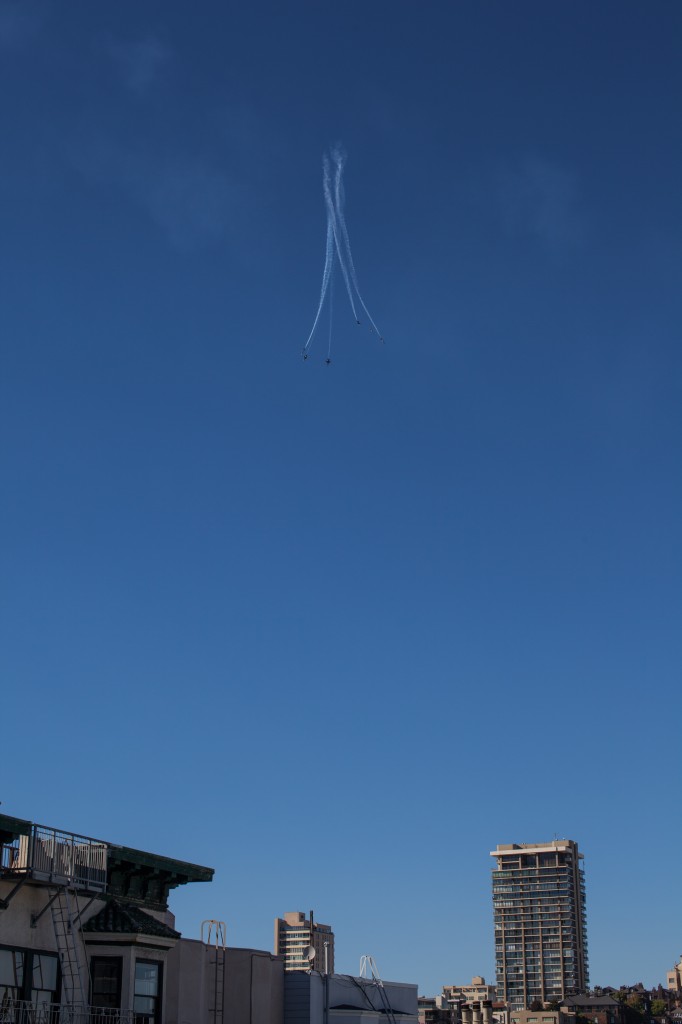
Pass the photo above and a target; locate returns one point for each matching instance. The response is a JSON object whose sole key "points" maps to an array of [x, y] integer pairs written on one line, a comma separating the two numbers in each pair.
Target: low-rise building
{"points": [[477, 991], [542, 1017], [436, 1010], [597, 1009], [314, 998], [500, 1012], [87, 937]]}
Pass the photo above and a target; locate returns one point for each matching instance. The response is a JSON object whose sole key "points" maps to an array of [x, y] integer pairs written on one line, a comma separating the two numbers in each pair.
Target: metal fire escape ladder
{"points": [[69, 946], [215, 941]]}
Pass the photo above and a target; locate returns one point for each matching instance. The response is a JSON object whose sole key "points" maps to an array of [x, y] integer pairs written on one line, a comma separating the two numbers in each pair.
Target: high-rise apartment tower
{"points": [[540, 934], [295, 933]]}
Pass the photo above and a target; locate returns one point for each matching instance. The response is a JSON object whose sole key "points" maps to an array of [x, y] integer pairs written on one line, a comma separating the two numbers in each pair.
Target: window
{"points": [[44, 978], [29, 976], [11, 974], [106, 974], [147, 1001]]}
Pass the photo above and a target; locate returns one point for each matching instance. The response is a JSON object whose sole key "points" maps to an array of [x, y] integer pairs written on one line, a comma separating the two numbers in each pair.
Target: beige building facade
{"points": [[542, 1017], [295, 934], [477, 991], [674, 978]]}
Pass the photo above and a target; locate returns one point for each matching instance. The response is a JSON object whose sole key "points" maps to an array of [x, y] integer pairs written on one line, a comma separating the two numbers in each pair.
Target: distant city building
{"points": [[542, 1017], [674, 978], [435, 1010], [601, 1009], [540, 930], [295, 934], [477, 991]]}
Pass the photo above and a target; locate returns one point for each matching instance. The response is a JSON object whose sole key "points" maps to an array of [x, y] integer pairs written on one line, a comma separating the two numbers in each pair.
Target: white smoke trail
{"points": [[326, 274], [338, 244], [339, 158], [331, 314], [329, 199]]}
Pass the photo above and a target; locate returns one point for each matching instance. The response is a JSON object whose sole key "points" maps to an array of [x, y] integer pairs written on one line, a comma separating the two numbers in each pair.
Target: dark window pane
{"points": [[11, 967], [40, 998], [106, 981], [146, 979], [147, 1002], [144, 1004], [45, 972]]}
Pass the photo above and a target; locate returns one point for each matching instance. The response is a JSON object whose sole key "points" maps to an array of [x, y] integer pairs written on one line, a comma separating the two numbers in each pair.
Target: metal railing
{"points": [[50, 855], [23, 1011]]}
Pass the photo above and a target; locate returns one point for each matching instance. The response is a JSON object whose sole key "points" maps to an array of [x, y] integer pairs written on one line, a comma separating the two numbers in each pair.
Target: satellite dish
{"points": [[310, 954]]}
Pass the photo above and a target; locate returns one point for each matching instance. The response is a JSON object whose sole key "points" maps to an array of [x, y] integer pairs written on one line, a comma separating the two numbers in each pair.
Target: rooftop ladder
{"points": [[215, 944]]}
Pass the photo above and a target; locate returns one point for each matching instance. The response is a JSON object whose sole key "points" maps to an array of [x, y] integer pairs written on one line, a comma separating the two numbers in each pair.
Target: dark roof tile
{"points": [[126, 919]]}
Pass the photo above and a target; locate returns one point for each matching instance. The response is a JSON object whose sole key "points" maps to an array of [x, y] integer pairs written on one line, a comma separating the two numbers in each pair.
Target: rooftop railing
{"points": [[63, 858]]}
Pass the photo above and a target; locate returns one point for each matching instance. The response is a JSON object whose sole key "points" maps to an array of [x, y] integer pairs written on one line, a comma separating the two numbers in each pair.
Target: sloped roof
{"points": [[127, 919]]}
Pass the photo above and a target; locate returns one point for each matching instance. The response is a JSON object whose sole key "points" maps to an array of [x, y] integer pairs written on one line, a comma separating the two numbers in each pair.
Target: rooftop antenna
{"points": [[310, 951]]}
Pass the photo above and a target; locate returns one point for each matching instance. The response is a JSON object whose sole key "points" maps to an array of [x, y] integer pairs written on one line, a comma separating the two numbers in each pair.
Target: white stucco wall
{"points": [[15, 921]]}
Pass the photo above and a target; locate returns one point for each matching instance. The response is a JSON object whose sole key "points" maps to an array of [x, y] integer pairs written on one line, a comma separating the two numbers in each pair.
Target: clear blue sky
{"points": [[337, 631]]}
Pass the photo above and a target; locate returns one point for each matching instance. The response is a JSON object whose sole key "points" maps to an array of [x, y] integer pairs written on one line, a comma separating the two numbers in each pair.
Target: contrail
{"points": [[329, 256], [339, 158], [327, 184], [331, 315], [337, 245]]}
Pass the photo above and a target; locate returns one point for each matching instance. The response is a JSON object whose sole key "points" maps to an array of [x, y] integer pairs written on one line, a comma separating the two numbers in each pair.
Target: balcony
{"points": [[62, 858], [20, 1011], [52, 857]]}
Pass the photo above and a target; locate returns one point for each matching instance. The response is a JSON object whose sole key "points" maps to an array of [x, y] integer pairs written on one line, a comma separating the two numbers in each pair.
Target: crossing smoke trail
{"points": [[337, 246], [332, 215], [331, 247], [339, 158]]}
